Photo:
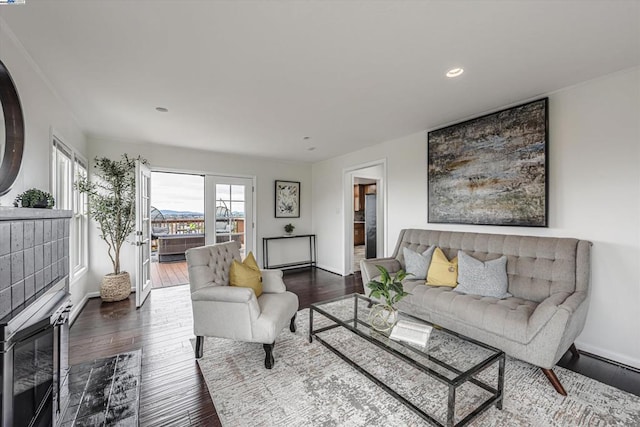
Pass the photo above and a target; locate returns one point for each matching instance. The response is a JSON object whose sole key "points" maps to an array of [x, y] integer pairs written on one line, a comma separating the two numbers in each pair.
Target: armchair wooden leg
{"points": [[199, 346], [574, 351], [553, 379], [268, 360], [292, 325]]}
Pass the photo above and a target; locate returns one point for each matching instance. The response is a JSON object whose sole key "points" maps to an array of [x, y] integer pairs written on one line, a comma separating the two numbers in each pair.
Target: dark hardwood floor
{"points": [[173, 392]]}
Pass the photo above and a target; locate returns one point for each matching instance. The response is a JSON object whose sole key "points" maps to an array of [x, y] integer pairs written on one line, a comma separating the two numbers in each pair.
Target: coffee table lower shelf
{"points": [[356, 325]]}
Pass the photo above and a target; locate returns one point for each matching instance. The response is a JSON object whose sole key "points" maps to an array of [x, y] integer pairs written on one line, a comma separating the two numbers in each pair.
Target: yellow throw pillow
{"points": [[246, 275], [250, 261], [442, 272]]}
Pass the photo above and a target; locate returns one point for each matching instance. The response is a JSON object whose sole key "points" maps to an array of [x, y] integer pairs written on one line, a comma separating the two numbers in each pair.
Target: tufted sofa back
{"points": [[537, 267], [210, 265]]}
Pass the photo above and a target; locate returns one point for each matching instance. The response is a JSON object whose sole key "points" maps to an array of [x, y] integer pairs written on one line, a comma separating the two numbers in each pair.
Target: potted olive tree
{"points": [[111, 197]]}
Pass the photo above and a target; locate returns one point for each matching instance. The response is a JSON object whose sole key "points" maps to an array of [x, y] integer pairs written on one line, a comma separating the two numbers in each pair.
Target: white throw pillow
{"points": [[417, 264], [488, 279]]}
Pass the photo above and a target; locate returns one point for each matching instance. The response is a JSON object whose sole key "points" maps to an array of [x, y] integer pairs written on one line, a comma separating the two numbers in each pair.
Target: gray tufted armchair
{"points": [[224, 311]]}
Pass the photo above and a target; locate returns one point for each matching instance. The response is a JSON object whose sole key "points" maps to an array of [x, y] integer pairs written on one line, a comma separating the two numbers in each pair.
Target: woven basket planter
{"points": [[115, 287]]}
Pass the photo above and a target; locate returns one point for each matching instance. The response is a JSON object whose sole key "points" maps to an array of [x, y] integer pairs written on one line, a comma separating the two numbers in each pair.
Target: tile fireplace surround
{"points": [[34, 254], [34, 313]]}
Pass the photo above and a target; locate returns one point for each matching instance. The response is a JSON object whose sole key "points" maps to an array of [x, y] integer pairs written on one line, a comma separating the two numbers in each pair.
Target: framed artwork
{"points": [[491, 170], [287, 199]]}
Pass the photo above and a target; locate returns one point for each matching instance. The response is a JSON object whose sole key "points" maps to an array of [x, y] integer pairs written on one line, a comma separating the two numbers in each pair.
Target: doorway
{"points": [[177, 224], [231, 199], [364, 207], [364, 220], [194, 209]]}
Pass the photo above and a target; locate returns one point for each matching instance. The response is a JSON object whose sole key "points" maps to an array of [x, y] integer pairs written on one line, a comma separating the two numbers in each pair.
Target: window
{"points": [[67, 168]]}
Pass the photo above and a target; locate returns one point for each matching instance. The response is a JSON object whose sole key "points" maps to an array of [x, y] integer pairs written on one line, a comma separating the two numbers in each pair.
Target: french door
{"points": [[229, 211], [143, 233]]}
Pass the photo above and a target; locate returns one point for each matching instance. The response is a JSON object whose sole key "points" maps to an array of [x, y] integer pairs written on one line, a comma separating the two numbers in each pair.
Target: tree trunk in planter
{"points": [[115, 287]]}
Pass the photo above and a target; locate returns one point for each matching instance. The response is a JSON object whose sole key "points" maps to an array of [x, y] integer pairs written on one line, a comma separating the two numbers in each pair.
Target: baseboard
{"points": [[77, 309], [330, 270], [609, 356]]}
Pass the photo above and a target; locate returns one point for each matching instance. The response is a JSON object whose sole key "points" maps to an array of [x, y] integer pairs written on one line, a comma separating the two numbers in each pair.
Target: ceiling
{"points": [[257, 77]]}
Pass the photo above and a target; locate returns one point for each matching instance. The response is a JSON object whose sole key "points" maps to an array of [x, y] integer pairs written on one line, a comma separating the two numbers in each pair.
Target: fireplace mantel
{"points": [[12, 214]]}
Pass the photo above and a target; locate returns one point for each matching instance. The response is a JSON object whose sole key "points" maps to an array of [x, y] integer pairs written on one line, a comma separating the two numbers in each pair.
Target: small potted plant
{"points": [[34, 198], [383, 317], [288, 229]]}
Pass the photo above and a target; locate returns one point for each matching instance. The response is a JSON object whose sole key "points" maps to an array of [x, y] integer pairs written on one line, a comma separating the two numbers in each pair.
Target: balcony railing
{"points": [[178, 226], [231, 225]]}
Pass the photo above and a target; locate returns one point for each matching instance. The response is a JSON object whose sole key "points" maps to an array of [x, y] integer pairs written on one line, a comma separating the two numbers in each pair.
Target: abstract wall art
{"points": [[287, 199], [491, 170]]}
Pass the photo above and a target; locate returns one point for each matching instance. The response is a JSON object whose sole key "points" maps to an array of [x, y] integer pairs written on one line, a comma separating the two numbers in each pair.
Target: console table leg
{"points": [[310, 325]]}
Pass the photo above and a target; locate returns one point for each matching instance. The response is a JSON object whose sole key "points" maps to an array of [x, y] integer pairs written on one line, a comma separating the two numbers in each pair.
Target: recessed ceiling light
{"points": [[311, 148], [306, 138], [162, 109], [454, 72]]}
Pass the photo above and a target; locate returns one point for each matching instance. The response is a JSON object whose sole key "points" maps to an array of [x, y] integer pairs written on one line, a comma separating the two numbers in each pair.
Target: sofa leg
{"points": [[268, 360], [292, 325], [199, 346], [574, 351], [553, 379]]}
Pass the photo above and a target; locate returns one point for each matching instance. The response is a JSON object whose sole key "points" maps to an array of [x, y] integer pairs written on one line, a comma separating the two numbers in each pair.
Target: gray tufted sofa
{"points": [[548, 278], [224, 311]]}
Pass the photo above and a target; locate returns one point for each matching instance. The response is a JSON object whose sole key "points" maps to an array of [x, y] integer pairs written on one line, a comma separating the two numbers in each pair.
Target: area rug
{"points": [[105, 392], [311, 386]]}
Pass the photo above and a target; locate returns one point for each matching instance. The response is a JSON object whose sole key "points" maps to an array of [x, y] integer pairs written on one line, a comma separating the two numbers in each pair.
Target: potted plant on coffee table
{"points": [[384, 316], [112, 205]]}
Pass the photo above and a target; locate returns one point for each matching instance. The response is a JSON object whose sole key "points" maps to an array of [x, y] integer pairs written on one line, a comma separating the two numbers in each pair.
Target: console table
{"points": [[311, 262]]}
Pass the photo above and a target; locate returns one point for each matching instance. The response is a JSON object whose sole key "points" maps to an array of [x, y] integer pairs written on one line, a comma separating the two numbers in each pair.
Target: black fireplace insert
{"points": [[35, 362]]}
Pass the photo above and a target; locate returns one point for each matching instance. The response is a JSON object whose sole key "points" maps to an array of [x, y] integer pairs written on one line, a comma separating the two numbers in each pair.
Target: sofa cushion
{"points": [[507, 317], [537, 267], [416, 263], [442, 272], [488, 278]]}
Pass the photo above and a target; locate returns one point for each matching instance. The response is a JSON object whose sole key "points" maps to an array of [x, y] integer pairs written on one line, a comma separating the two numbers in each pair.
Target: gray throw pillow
{"points": [[488, 279], [417, 264]]}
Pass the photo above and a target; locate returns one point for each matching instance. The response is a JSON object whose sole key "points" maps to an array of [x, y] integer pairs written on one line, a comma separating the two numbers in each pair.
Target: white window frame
{"points": [[63, 184]]}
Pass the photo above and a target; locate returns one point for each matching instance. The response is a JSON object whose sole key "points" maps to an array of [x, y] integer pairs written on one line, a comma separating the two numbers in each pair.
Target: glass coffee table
{"points": [[451, 359]]}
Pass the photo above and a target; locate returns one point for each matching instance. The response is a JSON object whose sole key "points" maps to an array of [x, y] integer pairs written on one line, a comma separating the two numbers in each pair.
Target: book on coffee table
{"points": [[411, 332]]}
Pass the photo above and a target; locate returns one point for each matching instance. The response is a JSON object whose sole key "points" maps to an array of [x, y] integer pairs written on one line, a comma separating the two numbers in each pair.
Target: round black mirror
{"points": [[11, 131]]}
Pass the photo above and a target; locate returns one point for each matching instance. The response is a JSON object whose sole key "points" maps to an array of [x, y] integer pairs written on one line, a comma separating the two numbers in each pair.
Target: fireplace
{"points": [[34, 316]]}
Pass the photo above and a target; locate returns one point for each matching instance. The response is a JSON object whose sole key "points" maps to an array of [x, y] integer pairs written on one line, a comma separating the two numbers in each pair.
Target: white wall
{"points": [[594, 194], [266, 171], [42, 111]]}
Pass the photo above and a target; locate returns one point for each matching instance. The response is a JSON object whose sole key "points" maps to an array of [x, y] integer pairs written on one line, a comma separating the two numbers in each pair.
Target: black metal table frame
{"points": [[313, 252], [497, 394]]}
